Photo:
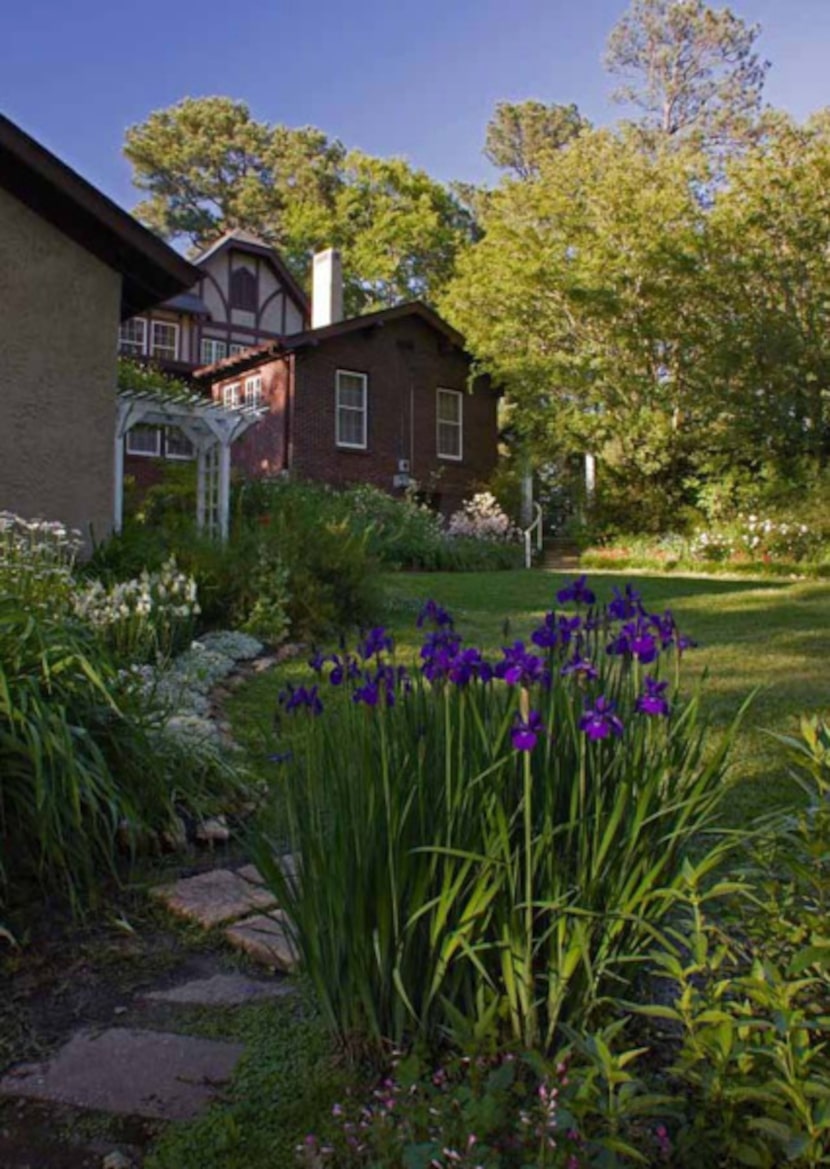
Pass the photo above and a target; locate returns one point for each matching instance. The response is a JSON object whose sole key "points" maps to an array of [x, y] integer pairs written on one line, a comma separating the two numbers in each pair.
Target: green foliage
{"points": [[520, 137], [208, 166], [81, 754], [489, 888]]}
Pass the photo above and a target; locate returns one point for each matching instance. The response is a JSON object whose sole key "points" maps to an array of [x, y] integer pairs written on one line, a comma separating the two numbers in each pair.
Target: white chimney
{"points": [[326, 289]]}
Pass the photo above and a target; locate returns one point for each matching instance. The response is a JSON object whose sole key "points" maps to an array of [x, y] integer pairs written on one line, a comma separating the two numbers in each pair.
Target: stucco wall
{"points": [[58, 334]]}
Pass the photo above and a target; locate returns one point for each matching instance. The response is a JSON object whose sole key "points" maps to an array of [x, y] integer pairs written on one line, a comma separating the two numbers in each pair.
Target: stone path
{"points": [[158, 1075]]}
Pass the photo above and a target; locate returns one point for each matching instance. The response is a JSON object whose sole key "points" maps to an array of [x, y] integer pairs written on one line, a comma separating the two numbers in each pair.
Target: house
{"points": [[72, 266], [243, 295], [386, 398]]}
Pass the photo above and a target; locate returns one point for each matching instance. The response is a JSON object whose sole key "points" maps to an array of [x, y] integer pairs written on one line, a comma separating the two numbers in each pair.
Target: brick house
{"points": [[384, 398]]}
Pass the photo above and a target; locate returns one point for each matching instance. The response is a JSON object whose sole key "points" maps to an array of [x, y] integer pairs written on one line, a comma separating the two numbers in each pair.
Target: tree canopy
{"points": [[520, 137], [208, 166]]}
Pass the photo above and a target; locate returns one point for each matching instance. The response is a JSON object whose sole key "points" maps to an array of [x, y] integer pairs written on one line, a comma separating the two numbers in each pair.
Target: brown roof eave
{"points": [[151, 270]]}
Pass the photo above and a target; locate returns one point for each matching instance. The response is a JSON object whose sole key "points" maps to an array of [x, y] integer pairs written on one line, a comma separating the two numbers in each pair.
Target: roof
{"points": [[188, 302], [151, 270], [311, 338], [246, 241]]}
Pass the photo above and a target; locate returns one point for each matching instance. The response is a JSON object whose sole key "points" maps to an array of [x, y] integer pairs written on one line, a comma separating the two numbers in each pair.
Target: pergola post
{"points": [[118, 480], [201, 483], [224, 489]]}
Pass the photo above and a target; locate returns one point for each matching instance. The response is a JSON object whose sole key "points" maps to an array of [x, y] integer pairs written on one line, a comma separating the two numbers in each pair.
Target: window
{"points": [[132, 336], [230, 397], [144, 440], [213, 350], [164, 340], [177, 445], [237, 347], [243, 290], [350, 424], [253, 390], [450, 415]]}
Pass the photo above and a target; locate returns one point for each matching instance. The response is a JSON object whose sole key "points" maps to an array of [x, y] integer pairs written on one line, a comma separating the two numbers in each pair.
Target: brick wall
{"points": [[405, 361]]}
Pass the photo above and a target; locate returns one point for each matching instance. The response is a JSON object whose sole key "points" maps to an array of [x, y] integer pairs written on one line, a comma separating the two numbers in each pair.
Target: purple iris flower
{"points": [[568, 626], [369, 693], [600, 722], [525, 734], [664, 626], [377, 640], [635, 639], [545, 635], [652, 701], [624, 606], [318, 661], [434, 613], [581, 666], [438, 652], [519, 667], [578, 592], [344, 668], [466, 665], [300, 698]]}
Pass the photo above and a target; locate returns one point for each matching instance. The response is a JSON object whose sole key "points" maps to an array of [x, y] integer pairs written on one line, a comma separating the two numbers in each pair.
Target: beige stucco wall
{"points": [[58, 333]]}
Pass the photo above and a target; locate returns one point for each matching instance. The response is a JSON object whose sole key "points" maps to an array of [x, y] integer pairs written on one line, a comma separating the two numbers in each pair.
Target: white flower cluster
{"points": [[711, 545], [36, 557], [164, 595], [775, 537], [482, 518]]}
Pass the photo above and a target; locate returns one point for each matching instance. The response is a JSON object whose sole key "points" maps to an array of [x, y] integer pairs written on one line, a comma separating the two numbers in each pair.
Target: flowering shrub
{"points": [[503, 831], [481, 518], [37, 558], [142, 618]]}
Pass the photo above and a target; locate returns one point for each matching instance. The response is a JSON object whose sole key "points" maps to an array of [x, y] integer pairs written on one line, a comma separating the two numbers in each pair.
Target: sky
{"points": [[417, 80]]}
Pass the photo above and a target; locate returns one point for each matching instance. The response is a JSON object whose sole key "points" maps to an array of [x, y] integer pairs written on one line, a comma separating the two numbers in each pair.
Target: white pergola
{"points": [[211, 429]]}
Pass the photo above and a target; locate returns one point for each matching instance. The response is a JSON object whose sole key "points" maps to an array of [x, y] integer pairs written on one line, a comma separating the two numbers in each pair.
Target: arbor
{"points": [[208, 166], [520, 137], [691, 69]]}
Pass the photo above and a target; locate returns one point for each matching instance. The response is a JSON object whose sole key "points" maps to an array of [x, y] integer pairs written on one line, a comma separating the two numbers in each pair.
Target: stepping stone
{"points": [[223, 990], [265, 939], [213, 897], [131, 1073], [288, 862]]}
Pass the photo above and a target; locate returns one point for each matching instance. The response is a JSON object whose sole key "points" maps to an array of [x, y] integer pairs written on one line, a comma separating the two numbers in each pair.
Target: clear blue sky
{"points": [[390, 77]]}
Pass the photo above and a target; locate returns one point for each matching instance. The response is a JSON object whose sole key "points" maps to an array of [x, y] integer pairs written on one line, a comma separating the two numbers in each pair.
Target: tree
{"points": [[208, 166], [691, 69], [520, 137], [581, 298]]}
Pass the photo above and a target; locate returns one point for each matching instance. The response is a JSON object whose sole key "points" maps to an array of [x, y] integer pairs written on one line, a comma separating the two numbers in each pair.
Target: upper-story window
{"points": [[132, 336], [237, 347], [144, 440], [450, 415], [243, 290], [177, 445], [231, 399], [253, 390], [164, 340], [213, 350], [350, 409]]}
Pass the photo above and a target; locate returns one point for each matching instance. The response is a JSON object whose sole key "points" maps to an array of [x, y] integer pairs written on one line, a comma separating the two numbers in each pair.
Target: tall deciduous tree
{"points": [[207, 166], [520, 137], [691, 69]]}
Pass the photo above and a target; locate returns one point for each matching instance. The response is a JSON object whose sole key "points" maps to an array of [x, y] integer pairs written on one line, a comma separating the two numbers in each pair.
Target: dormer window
{"points": [[243, 290]]}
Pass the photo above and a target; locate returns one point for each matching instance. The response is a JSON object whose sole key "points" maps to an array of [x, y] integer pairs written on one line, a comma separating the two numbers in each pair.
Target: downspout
{"points": [[289, 413]]}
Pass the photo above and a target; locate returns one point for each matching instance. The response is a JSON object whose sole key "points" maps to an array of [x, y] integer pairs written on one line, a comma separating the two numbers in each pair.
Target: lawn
{"points": [[767, 635]]}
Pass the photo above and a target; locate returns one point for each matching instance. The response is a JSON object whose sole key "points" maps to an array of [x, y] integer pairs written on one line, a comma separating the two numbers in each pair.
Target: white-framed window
{"points": [[350, 409], [253, 390], [177, 445], [144, 440], [450, 418], [132, 337], [213, 350], [164, 340], [231, 399], [237, 347]]}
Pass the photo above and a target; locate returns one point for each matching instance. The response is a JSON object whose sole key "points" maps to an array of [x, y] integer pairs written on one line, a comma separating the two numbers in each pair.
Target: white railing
{"points": [[535, 529]]}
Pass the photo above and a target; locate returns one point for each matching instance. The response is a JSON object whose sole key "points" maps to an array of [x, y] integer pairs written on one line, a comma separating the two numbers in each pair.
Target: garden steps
{"points": [[559, 555]]}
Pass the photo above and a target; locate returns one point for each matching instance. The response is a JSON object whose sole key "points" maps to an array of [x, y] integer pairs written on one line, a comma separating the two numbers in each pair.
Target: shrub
{"points": [[37, 558], [483, 519], [505, 834]]}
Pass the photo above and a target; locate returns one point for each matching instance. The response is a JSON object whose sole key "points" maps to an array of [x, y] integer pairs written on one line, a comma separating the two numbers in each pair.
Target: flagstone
{"points": [[222, 990], [265, 939], [213, 897], [153, 1074]]}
